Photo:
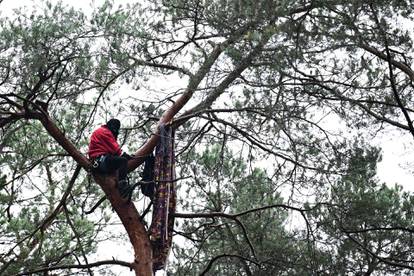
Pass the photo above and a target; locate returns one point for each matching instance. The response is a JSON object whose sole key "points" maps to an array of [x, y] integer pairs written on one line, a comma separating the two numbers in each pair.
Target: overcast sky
{"points": [[398, 153], [8, 5]]}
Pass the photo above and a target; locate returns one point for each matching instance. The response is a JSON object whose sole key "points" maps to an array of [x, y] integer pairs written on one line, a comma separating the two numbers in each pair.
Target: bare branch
{"points": [[211, 262], [48, 220], [260, 145], [233, 216], [403, 67], [380, 258], [391, 73], [97, 204], [77, 236], [374, 229], [79, 266]]}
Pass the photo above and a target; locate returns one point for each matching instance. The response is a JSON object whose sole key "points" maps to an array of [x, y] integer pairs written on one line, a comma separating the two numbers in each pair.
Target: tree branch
{"points": [[168, 115], [77, 236], [382, 259], [403, 67], [211, 262], [233, 216], [48, 220], [220, 89], [391, 73], [79, 266], [397, 228]]}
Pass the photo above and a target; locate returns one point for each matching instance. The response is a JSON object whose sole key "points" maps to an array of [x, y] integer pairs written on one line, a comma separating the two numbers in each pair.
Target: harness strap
{"points": [[98, 163]]}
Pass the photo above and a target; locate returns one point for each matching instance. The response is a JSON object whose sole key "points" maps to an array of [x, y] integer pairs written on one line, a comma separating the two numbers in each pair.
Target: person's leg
{"points": [[114, 163], [121, 164]]}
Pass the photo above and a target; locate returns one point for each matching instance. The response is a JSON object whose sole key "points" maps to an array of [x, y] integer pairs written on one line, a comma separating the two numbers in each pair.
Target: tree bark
{"points": [[130, 218], [126, 210], [169, 114]]}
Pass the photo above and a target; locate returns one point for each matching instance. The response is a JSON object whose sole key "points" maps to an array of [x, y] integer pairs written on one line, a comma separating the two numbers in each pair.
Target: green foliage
{"points": [[360, 222], [365, 220], [225, 184], [283, 118]]}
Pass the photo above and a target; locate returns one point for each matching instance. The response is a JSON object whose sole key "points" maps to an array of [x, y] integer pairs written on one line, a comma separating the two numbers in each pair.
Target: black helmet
{"points": [[114, 125]]}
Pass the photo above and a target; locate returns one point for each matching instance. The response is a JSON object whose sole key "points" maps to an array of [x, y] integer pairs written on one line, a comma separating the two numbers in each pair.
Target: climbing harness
{"points": [[100, 165]]}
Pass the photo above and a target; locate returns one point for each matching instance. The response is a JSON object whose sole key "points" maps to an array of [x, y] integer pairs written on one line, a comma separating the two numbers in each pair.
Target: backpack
{"points": [[148, 188]]}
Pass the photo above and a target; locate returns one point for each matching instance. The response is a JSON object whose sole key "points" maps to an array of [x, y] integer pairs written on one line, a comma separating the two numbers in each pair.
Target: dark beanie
{"points": [[113, 125]]}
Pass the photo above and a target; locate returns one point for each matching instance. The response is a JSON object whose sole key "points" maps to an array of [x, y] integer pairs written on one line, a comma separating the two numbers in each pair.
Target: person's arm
{"points": [[127, 156]]}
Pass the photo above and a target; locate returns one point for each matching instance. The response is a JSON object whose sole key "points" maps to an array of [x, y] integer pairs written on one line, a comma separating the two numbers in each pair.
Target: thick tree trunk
{"points": [[130, 218], [169, 114], [126, 211]]}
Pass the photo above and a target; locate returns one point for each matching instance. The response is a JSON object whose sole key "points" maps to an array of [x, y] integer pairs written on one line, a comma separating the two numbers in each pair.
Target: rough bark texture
{"points": [[130, 218], [169, 114], [127, 211]]}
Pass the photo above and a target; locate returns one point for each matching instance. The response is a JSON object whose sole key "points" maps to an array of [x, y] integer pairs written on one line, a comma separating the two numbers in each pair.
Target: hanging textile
{"points": [[164, 199]]}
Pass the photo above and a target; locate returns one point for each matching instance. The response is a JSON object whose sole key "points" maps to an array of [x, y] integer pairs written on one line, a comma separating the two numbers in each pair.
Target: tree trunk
{"points": [[126, 210], [130, 218]]}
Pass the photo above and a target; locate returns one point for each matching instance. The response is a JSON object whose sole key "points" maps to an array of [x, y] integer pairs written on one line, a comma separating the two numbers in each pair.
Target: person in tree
{"points": [[107, 156]]}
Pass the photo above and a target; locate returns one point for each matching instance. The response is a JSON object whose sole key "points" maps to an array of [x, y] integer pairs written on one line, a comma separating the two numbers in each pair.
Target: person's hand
{"points": [[127, 156]]}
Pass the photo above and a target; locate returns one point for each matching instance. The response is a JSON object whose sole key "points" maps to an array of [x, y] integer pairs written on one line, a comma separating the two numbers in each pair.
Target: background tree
{"points": [[284, 87], [366, 223], [252, 241]]}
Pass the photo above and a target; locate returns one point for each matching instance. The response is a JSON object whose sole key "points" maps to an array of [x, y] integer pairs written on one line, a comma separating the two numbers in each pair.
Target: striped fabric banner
{"points": [[164, 200]]}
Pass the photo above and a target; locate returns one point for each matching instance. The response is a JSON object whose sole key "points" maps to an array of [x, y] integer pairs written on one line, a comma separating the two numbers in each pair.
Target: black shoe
{"points": [[125, 189]]}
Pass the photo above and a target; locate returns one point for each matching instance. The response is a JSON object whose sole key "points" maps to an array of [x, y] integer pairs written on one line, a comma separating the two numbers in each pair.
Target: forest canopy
{"points": [[275, 105]]}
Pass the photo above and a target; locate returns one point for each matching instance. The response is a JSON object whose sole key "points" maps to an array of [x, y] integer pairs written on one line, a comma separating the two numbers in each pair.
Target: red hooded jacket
{"points": [[103, 142]]}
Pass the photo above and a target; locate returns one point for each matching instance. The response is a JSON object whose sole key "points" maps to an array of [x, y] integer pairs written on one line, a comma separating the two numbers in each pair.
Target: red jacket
{"points": [[103, 142]]}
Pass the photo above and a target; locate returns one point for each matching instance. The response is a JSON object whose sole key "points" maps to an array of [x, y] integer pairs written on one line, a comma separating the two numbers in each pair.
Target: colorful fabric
{"points": [[164, 200], [103, 142]]}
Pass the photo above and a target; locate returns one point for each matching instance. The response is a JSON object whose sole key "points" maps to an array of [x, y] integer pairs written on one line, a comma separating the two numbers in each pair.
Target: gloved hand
{"points": [[127, 156]]}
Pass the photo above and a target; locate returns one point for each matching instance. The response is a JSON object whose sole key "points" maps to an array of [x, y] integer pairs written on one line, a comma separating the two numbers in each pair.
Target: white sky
{"points": [[397, 153], [8, 5]]}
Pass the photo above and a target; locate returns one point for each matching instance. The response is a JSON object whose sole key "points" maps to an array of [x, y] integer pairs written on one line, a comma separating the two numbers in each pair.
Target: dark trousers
{"points": [[114, 162]]}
